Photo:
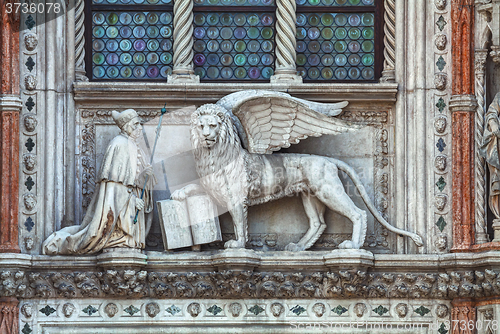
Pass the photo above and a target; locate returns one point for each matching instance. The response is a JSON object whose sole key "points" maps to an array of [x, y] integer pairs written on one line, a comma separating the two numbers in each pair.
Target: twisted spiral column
{"points": [[80, 41], [183, 42], [388, 74], [480, 168], [285, 42]]}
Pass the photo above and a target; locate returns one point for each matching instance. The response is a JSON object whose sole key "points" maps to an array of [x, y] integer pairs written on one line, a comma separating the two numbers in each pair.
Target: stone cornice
{"points": [[10, 103], [154, 93], [251, 274]]}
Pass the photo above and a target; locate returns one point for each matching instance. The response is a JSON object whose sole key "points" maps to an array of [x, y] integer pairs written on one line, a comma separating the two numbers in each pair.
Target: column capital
{"points": [[463, 103]]}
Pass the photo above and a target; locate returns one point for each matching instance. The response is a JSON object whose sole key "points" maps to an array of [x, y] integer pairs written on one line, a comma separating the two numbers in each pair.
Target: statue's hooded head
{"points": [[128, 121]]}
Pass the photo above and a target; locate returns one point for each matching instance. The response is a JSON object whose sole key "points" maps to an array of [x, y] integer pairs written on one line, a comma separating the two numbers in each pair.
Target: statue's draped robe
{"points": [[490, 151], [109, 221]]}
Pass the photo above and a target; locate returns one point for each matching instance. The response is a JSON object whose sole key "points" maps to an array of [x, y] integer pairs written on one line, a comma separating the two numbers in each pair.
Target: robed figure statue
{"points": [[109, 221]]}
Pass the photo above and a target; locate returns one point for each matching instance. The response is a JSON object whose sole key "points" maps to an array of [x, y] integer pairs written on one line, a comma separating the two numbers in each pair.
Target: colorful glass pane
{"points": [[132, 2], [335, 46], [131, 45], [336, 3], [234, 2], [234, 46]]}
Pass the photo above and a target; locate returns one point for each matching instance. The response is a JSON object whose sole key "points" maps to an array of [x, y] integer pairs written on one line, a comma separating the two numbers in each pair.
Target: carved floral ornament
{"points": [[266, 285]]}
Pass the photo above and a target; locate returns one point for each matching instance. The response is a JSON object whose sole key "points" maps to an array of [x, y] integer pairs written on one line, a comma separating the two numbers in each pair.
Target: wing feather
{"points": [[274, 122]]}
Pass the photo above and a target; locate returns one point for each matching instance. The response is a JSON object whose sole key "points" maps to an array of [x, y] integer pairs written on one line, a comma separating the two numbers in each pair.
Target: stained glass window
{"points": [[336, 40], [131, 39], [232, 42]]}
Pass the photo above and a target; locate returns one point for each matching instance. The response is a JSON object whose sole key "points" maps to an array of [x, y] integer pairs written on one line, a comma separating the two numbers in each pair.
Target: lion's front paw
{"points": [[293, 247], [234, 244], [179, 195], [347, 244]]}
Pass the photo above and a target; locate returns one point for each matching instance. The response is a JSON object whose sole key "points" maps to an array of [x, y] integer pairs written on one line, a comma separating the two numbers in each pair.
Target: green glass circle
{"points": [[354, 2], [212, 19], [340, 19], [253, 33], [314, 2], [340, 33], [166, 58], [152, 18], [212, 72], [139, 58], [301, 33], [240, 46], [327, 2], [226, 33], [367, 46], [226, 60], [368, 33], [340, 46], [253, 59], [367, 19], [98, 58], [213, 2], [253, 46], [126, 72], [98, 32], [327, 19], [226, 46], [240, 73], [99, 72], [112, 32], [327, 60], [200, 71], [267, 72], [112, 18], [152, 31], [313, 19], [199, 46], [226, 19], [301, 59], [240, 59], [226, 2], [267, 33], [226, 73], [125, 58], [354, 33], [341, 2], [239, 2], [367, 59], [253, 19], [240, 19], [199, 19], [327, 73], [139, 18], [153, 45], [327, 33], [313, 73]]}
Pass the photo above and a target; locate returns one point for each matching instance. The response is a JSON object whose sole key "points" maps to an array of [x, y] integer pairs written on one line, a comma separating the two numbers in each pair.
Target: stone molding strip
{"points": [[463, 103]]}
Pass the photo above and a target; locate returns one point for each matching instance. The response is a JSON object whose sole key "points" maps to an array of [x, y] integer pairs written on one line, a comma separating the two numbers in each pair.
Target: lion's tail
{"points": [[364, 195]]}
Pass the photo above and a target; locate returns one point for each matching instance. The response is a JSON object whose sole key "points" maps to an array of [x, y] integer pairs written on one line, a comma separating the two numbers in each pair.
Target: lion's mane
{"points": [[223, 162]]}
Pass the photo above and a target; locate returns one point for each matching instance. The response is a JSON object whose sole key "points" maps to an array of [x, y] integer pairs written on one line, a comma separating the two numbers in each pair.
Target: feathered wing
{"points": [[274, 122]]}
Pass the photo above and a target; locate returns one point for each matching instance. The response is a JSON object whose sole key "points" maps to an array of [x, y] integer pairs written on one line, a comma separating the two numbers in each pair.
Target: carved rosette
{"points": [[285, 37], [183, 37], [388, 73]]}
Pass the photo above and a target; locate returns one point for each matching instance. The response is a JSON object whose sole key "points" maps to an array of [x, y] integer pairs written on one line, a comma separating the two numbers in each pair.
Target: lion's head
{"points": [[211, 126]]}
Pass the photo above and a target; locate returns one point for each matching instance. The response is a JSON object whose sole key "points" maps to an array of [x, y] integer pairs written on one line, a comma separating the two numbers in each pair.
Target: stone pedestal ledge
{"points": [[236, 259], [15, 261], [359, 259], [122, 258]]}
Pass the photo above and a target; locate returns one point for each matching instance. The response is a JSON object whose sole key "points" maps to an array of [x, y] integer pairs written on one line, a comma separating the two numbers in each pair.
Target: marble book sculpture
{"points": [[109, 221], [232, 142], [193, 221]]}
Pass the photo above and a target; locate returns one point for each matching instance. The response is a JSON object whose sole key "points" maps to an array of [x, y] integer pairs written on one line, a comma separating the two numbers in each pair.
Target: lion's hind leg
{"points": [[332, 194], [315, 211]]}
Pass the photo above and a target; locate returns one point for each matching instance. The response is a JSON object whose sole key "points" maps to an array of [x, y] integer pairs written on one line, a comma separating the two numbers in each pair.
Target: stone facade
{"points": [[417, 155]]}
